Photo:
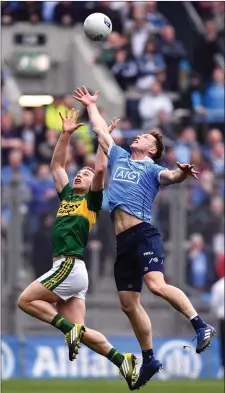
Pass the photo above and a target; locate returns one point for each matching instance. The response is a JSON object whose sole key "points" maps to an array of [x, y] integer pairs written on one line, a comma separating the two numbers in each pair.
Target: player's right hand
{"points": [[69, 123], [113, 124], [83, 96]]}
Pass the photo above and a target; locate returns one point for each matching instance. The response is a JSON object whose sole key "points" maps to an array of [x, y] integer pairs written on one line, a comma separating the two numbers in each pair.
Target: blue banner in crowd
{"points": [[47, 357]]}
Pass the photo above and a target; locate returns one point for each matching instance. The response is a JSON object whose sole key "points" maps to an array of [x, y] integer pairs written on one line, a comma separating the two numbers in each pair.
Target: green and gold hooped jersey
{"points": [[74, 220]]}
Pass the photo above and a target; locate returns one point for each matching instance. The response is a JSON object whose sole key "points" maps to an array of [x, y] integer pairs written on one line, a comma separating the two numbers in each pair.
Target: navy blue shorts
{"points": [[139, 251]]}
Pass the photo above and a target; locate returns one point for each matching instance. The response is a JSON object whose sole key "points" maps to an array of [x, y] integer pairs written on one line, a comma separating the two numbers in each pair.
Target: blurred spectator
{"points": [[217, 307], [43, 191], [29, 157], [203, 190], [154, 17], [199, 266], [218, 11], [10, 136], [173, 52], [150, 63], [211, 103], [197, 160], [52, 118], [64, 14], [105, 7], [42, 245], [213, 137], [138, 30], [39, 124], [45, 149], [29, 11], [124, 69], [26, 129], [169, 159], [204, 8], [15, 167], [217, 158], [8, 12], [71, 165], [152, 104], [210, 216], [48, 10], [186, 142], [205, 51], [80, 153], [220, 264], [114, 43]]}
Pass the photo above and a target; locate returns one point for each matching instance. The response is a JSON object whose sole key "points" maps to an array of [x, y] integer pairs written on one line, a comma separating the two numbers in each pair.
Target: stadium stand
{"points": [[166, 80]]}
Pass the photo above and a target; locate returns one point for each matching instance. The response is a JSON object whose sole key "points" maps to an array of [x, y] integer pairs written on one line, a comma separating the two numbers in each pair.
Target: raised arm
{"points": [[177, 175], [101, 162], [98, 123], [58, 163]]}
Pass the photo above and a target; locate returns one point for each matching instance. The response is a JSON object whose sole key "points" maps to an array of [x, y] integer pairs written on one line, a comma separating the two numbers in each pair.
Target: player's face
{"points": [[145, 144], [83, 179]]}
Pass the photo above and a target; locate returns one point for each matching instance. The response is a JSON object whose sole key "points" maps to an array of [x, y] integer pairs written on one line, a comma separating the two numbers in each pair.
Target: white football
{"points": [[97, 27]]}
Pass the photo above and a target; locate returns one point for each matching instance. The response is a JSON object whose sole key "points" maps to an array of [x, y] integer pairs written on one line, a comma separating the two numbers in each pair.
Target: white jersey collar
{"points": [[144, 159]]}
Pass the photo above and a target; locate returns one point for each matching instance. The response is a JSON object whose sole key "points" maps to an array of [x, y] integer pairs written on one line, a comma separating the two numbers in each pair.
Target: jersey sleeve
{"points": [[157, 169], [65, 191], [94, 200], [114, 153]]}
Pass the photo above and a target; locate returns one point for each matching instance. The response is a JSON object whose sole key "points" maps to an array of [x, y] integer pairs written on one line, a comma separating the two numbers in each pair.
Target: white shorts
{"points": [[68, 278]]}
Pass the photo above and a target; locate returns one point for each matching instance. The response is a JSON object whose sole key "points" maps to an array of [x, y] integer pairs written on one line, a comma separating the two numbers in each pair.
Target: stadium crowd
{"points": [[150, 64]]}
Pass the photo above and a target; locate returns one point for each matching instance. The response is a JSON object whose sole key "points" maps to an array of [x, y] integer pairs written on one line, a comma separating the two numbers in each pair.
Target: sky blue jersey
{"points": [[134, 184]]}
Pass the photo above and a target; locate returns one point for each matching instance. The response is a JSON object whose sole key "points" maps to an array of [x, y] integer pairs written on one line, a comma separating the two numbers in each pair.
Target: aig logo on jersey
{"points": [[123, 174]]}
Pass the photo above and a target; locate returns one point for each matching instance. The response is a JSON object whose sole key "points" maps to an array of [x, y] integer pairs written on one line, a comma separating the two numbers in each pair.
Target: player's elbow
{"points": [[100, 170], [54, 167]]}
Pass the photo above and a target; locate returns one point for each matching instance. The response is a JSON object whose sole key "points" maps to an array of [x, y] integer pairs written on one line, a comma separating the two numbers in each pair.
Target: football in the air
{"points": [[97, 27]]}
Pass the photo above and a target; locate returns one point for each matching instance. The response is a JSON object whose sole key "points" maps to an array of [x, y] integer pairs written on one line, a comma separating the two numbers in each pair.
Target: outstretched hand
{"points": [[69, 123], [188, 169], [83, 96], [113, 124]]}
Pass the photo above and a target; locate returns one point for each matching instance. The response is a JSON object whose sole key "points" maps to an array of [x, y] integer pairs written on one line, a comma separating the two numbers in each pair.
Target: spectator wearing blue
{"points": [[217, 158], [124, 69], [48, 10], [200, 267], [174, 55], [43, 192], [26, 129], [185, 144], [213, 137], [209, 106], [15, 168], [29, 158], [154, 17], [150, 63]]}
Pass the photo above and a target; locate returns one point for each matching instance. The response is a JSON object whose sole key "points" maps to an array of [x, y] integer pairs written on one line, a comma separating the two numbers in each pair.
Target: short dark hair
{"points": [[159, 144], [88, 168]]}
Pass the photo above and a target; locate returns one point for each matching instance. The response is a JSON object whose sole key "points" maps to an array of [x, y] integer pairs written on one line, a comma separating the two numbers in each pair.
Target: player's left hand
{"points": [[69, 123], [113, 124], [188, 169], [83, 96]]}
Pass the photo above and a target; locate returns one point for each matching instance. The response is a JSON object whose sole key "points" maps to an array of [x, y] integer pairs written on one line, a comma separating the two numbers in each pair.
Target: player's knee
{"points": [[157, 288], [128, 307], [22, 302]]}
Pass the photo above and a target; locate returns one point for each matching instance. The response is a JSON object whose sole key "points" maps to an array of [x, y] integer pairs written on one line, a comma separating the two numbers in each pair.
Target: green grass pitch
{"points": [[106, 386]]}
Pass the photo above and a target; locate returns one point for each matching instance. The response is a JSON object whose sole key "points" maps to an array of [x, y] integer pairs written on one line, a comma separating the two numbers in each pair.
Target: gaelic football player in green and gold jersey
{"points": [[66, 283]]}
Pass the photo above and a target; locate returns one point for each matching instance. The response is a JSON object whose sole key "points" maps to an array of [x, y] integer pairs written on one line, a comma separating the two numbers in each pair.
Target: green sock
{"points": [[115, 357], [62, 324]]}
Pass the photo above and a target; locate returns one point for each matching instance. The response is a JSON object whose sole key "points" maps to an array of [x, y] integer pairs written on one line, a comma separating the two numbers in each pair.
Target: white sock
{"points": [[193, 316]]}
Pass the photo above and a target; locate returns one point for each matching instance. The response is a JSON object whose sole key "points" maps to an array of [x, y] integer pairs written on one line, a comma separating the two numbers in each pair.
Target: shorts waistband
{"points": [[134, 229], [61, 257]]}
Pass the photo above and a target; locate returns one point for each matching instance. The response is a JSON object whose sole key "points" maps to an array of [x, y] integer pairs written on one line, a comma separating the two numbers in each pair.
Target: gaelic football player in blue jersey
{"points": [[134, 184]]}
